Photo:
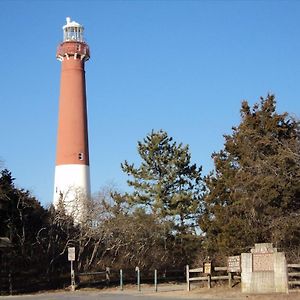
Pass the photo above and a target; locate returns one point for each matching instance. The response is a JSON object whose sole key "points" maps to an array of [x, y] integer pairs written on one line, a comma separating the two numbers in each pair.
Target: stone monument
{"points": [[264, 270]]}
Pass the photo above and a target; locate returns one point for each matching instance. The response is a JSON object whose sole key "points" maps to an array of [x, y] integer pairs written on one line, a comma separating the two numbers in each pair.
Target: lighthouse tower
{"points": [[72, 176]]}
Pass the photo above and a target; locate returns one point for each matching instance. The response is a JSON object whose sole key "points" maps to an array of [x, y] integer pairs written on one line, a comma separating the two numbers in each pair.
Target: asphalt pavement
{"points": [[87, 296], [165, 292]]}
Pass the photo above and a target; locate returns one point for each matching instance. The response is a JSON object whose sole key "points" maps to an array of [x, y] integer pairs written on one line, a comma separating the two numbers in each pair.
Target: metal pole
{"points": [[188, 278], [155, 280], [71, 272], [138, 278], [121, 280], [72, 278]]}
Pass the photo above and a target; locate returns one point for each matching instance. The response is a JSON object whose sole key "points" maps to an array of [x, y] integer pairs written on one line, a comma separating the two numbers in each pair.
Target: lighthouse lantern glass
{"points": [[73, 31]]}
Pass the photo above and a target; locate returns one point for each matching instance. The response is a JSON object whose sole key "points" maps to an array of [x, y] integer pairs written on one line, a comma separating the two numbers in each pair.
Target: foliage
{"points": [[254, 194], [167, 191], [166, 183], [121, 238], [39, 237], [21, 217]]}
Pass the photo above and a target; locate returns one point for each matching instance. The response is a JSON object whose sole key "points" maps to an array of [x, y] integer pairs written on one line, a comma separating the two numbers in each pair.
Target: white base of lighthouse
{"points": [[72, 189]]}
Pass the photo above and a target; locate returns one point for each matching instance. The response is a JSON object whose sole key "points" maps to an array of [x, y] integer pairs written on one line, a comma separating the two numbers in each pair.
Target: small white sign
{"points": [[71, 253]]}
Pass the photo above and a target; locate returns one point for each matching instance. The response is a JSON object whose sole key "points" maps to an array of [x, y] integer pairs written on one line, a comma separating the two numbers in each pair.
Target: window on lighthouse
{"points": [[80, 156]]}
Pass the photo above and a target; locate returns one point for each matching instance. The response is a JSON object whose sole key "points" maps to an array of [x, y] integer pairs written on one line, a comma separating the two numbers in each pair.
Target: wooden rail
{"points": [[92, 273], [207, 277], [105, 275], [292, 275]]}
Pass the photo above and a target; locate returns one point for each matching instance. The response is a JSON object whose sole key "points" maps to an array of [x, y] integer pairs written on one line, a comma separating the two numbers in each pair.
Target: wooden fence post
{"points": [[187, 270], [209, 281], [230, 279], [107, 275]]}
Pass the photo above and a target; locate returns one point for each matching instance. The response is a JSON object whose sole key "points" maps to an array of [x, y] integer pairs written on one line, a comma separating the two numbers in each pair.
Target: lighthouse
{"points": [[72, 175]]}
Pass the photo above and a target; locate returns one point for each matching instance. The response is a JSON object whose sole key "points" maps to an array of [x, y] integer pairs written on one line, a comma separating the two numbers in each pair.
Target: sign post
{"points": [[71, 258], [233, 266], [207, 270]]}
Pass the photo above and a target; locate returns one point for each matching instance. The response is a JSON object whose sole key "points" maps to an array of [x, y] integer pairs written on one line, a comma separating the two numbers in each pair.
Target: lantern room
{"points": [[73, 31], [73, 44]]}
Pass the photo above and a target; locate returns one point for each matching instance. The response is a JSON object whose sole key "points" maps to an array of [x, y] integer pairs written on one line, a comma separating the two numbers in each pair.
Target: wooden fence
{"points": [[293, 274], [209, 277], [94, 277]]}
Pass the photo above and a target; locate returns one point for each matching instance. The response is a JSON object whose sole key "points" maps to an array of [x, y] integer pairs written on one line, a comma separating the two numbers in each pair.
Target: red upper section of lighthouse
{"points": [[72, 138], [73, 42], [73, 48]]}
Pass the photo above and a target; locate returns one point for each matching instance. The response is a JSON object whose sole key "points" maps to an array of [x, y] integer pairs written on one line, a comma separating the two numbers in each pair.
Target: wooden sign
{"points": [[234, 264], [207, 268]]}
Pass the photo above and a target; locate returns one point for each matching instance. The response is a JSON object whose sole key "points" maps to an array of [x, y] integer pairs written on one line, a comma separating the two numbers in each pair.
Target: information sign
{"points": [[207, 268], [71, 253], [234, 264]]}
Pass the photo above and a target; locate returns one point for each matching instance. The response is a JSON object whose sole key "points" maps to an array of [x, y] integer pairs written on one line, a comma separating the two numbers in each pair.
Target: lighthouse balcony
{"points": [[77, 50]]}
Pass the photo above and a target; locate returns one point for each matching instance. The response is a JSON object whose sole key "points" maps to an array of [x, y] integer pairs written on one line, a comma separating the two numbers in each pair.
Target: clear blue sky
{"points": [[181, 66]]}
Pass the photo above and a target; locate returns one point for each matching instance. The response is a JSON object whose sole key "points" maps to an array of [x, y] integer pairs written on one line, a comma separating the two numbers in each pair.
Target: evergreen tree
{"points": [[254, 193], [21, 218], [166, 183]]}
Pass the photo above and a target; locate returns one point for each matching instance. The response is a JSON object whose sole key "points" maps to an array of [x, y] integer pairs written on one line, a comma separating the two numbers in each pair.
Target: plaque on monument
{"points": [[234, 264], [264, 270], [263, 262]]}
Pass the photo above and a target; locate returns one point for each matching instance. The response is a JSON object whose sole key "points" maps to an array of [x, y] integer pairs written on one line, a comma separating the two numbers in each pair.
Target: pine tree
{"points": [[21, 218], [166, 183], [254, 193]]}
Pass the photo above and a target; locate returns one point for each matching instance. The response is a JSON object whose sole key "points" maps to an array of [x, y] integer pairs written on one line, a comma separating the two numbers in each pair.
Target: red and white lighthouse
{"points": [[72, 175]]}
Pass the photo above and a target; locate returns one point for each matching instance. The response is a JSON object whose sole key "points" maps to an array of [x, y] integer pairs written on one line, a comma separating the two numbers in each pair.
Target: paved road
{"points": [[78, 295], [89, 296], [165, 292]]}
